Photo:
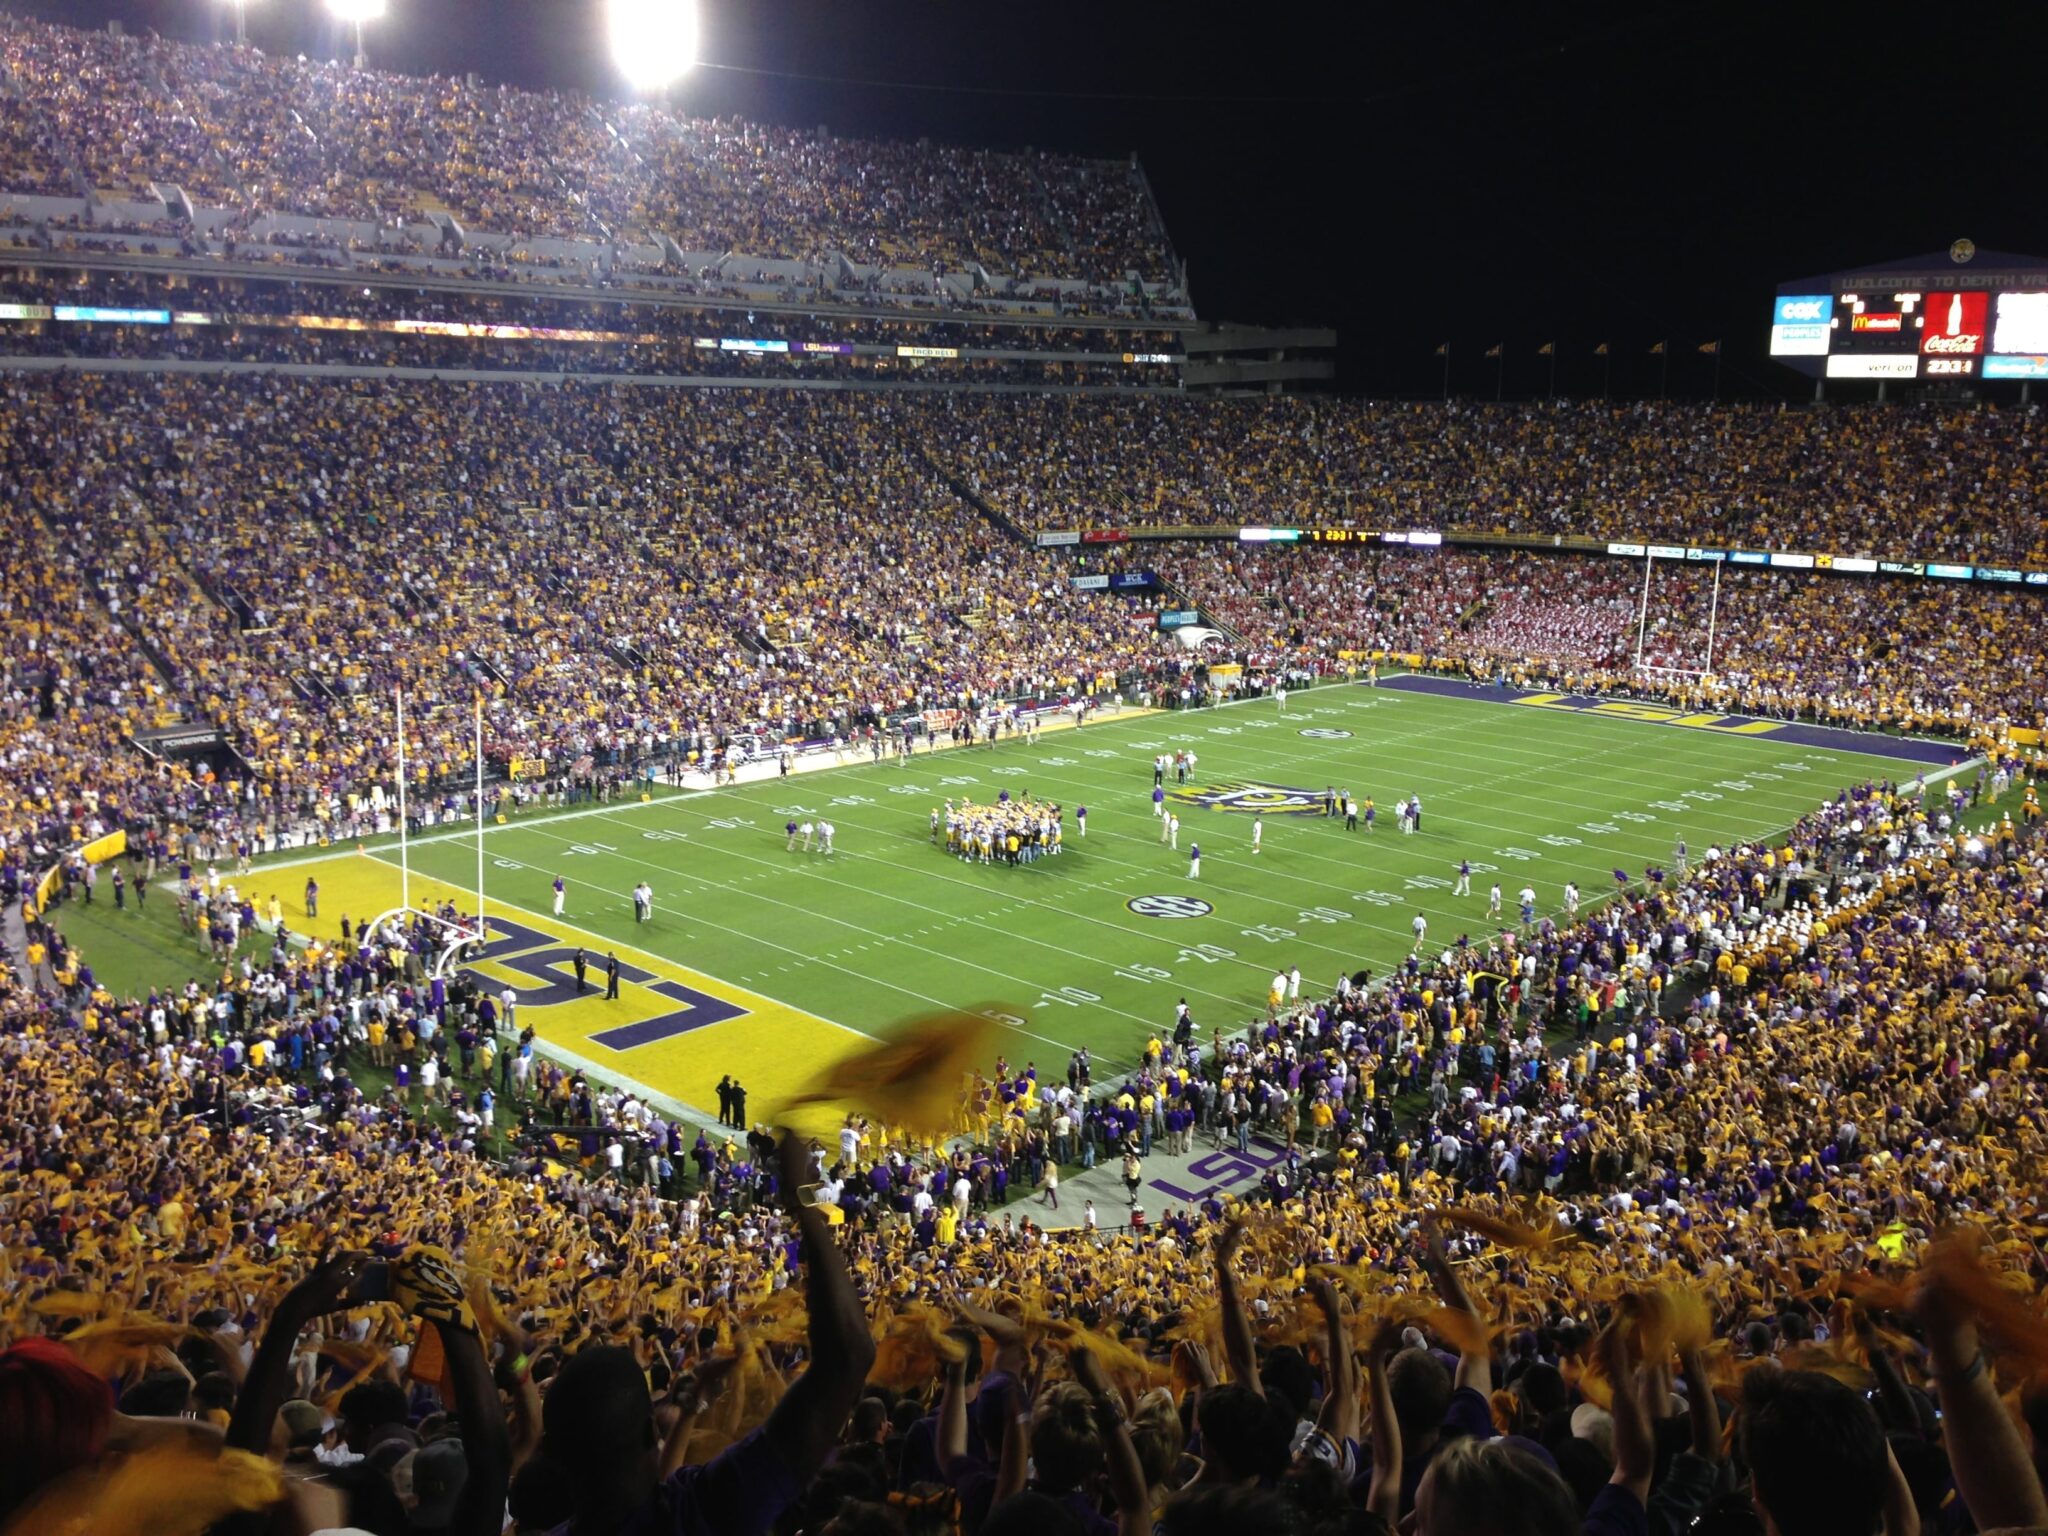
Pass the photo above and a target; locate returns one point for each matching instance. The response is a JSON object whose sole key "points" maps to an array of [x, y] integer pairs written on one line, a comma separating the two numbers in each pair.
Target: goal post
{"points": [[1662, 670], [462, 935]]}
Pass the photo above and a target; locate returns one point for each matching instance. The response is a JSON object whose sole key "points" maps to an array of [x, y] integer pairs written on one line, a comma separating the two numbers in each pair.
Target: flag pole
{"points": [[404, 827]]}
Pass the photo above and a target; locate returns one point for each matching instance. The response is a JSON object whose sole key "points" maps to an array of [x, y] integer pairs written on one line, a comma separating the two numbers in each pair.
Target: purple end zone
{"points": [[1941, 754]]}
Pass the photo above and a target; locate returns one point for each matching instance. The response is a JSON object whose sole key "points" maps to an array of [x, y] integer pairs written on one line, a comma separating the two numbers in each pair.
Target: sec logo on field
{"points": [[1325, 733], [1169, 906]]}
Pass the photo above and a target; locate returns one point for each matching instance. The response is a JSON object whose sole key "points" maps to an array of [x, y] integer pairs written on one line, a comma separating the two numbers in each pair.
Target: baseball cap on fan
{"points": [[303, 1421]]}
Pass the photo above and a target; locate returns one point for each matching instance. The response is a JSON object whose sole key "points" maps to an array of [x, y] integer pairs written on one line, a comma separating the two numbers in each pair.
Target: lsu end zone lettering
{"points": [[1653, 714], [1249, 798], [673, 1029]]}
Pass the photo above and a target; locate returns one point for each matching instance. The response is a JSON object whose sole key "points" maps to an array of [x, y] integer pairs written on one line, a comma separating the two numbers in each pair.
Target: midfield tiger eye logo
{"points": [[1249, 797]]}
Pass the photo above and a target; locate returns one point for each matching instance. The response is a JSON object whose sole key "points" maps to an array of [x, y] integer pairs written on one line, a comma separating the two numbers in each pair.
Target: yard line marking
{"points": [[647, 954]]}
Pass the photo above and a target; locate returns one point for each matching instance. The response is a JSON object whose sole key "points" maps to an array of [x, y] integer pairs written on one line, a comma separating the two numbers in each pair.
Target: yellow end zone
{"points": [[672, 1030]]}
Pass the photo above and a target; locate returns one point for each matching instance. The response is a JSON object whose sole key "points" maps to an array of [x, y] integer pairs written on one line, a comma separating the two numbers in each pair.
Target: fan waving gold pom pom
{"points": [[917, 1077]]}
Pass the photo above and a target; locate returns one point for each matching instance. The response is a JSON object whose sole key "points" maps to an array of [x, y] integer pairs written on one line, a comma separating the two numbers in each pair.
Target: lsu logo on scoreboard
{"points": [[1250, 797]]}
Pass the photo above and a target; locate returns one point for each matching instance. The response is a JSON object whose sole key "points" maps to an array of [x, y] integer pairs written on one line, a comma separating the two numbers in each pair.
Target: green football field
{"points": [[1096, 945]]}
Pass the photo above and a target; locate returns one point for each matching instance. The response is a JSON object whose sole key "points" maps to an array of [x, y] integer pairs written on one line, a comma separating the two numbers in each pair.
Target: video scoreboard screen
{"points": [[1880, 331]]}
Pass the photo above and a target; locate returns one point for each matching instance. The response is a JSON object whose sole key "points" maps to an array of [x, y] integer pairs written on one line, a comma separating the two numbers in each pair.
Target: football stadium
{"points": [[716, 823]]}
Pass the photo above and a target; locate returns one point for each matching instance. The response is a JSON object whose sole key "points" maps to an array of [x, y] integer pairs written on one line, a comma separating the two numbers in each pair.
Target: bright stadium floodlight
{"points": [[654, 42], [356, 12]]}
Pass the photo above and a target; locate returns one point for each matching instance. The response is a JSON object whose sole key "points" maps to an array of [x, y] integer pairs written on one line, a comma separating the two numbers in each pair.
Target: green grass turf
{"points": [[131, 951], [890, 926]]}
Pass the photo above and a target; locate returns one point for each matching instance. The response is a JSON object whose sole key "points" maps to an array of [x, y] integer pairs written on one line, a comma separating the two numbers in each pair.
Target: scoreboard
{"points": [[1906, 325]]}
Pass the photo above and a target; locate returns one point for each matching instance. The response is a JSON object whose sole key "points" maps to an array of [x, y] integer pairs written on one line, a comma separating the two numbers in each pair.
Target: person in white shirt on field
{"points": [[1172, 830], [1294, 985], [806, 832], [1571, 899], [826, 832], [1493, 901], [1258, 831], [1280, 697], [1276, 994], [1421, 927]]}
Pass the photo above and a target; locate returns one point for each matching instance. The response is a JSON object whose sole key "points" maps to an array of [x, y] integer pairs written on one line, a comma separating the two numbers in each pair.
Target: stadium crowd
{"points": [[1559, 1204], [235, 127], [1871, 652], [620, 575], [1923, 482], [616, 571]]}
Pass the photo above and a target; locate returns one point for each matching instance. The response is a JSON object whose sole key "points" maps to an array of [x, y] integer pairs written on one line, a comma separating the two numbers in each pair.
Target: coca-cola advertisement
{"points": [[1955, 324]]}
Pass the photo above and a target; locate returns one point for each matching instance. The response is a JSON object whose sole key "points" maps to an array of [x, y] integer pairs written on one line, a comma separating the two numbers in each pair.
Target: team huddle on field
{"points": [[1009, 831]]}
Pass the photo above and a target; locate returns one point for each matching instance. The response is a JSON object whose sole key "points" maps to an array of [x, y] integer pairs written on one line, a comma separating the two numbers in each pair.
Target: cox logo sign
{"points": [[1802, 309]]}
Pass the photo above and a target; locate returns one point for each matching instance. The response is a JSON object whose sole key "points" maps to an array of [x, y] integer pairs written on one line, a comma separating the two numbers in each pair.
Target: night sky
{"points": [[1438, 173]]}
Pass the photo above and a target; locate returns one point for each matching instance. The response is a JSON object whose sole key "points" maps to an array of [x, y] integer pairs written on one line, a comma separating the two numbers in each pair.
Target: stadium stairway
{"points": [[967, 493]]}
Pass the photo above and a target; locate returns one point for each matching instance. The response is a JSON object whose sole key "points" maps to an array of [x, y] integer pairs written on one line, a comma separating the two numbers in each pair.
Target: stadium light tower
{"points": [[241, 20], [654, 42], [357, 12]]}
